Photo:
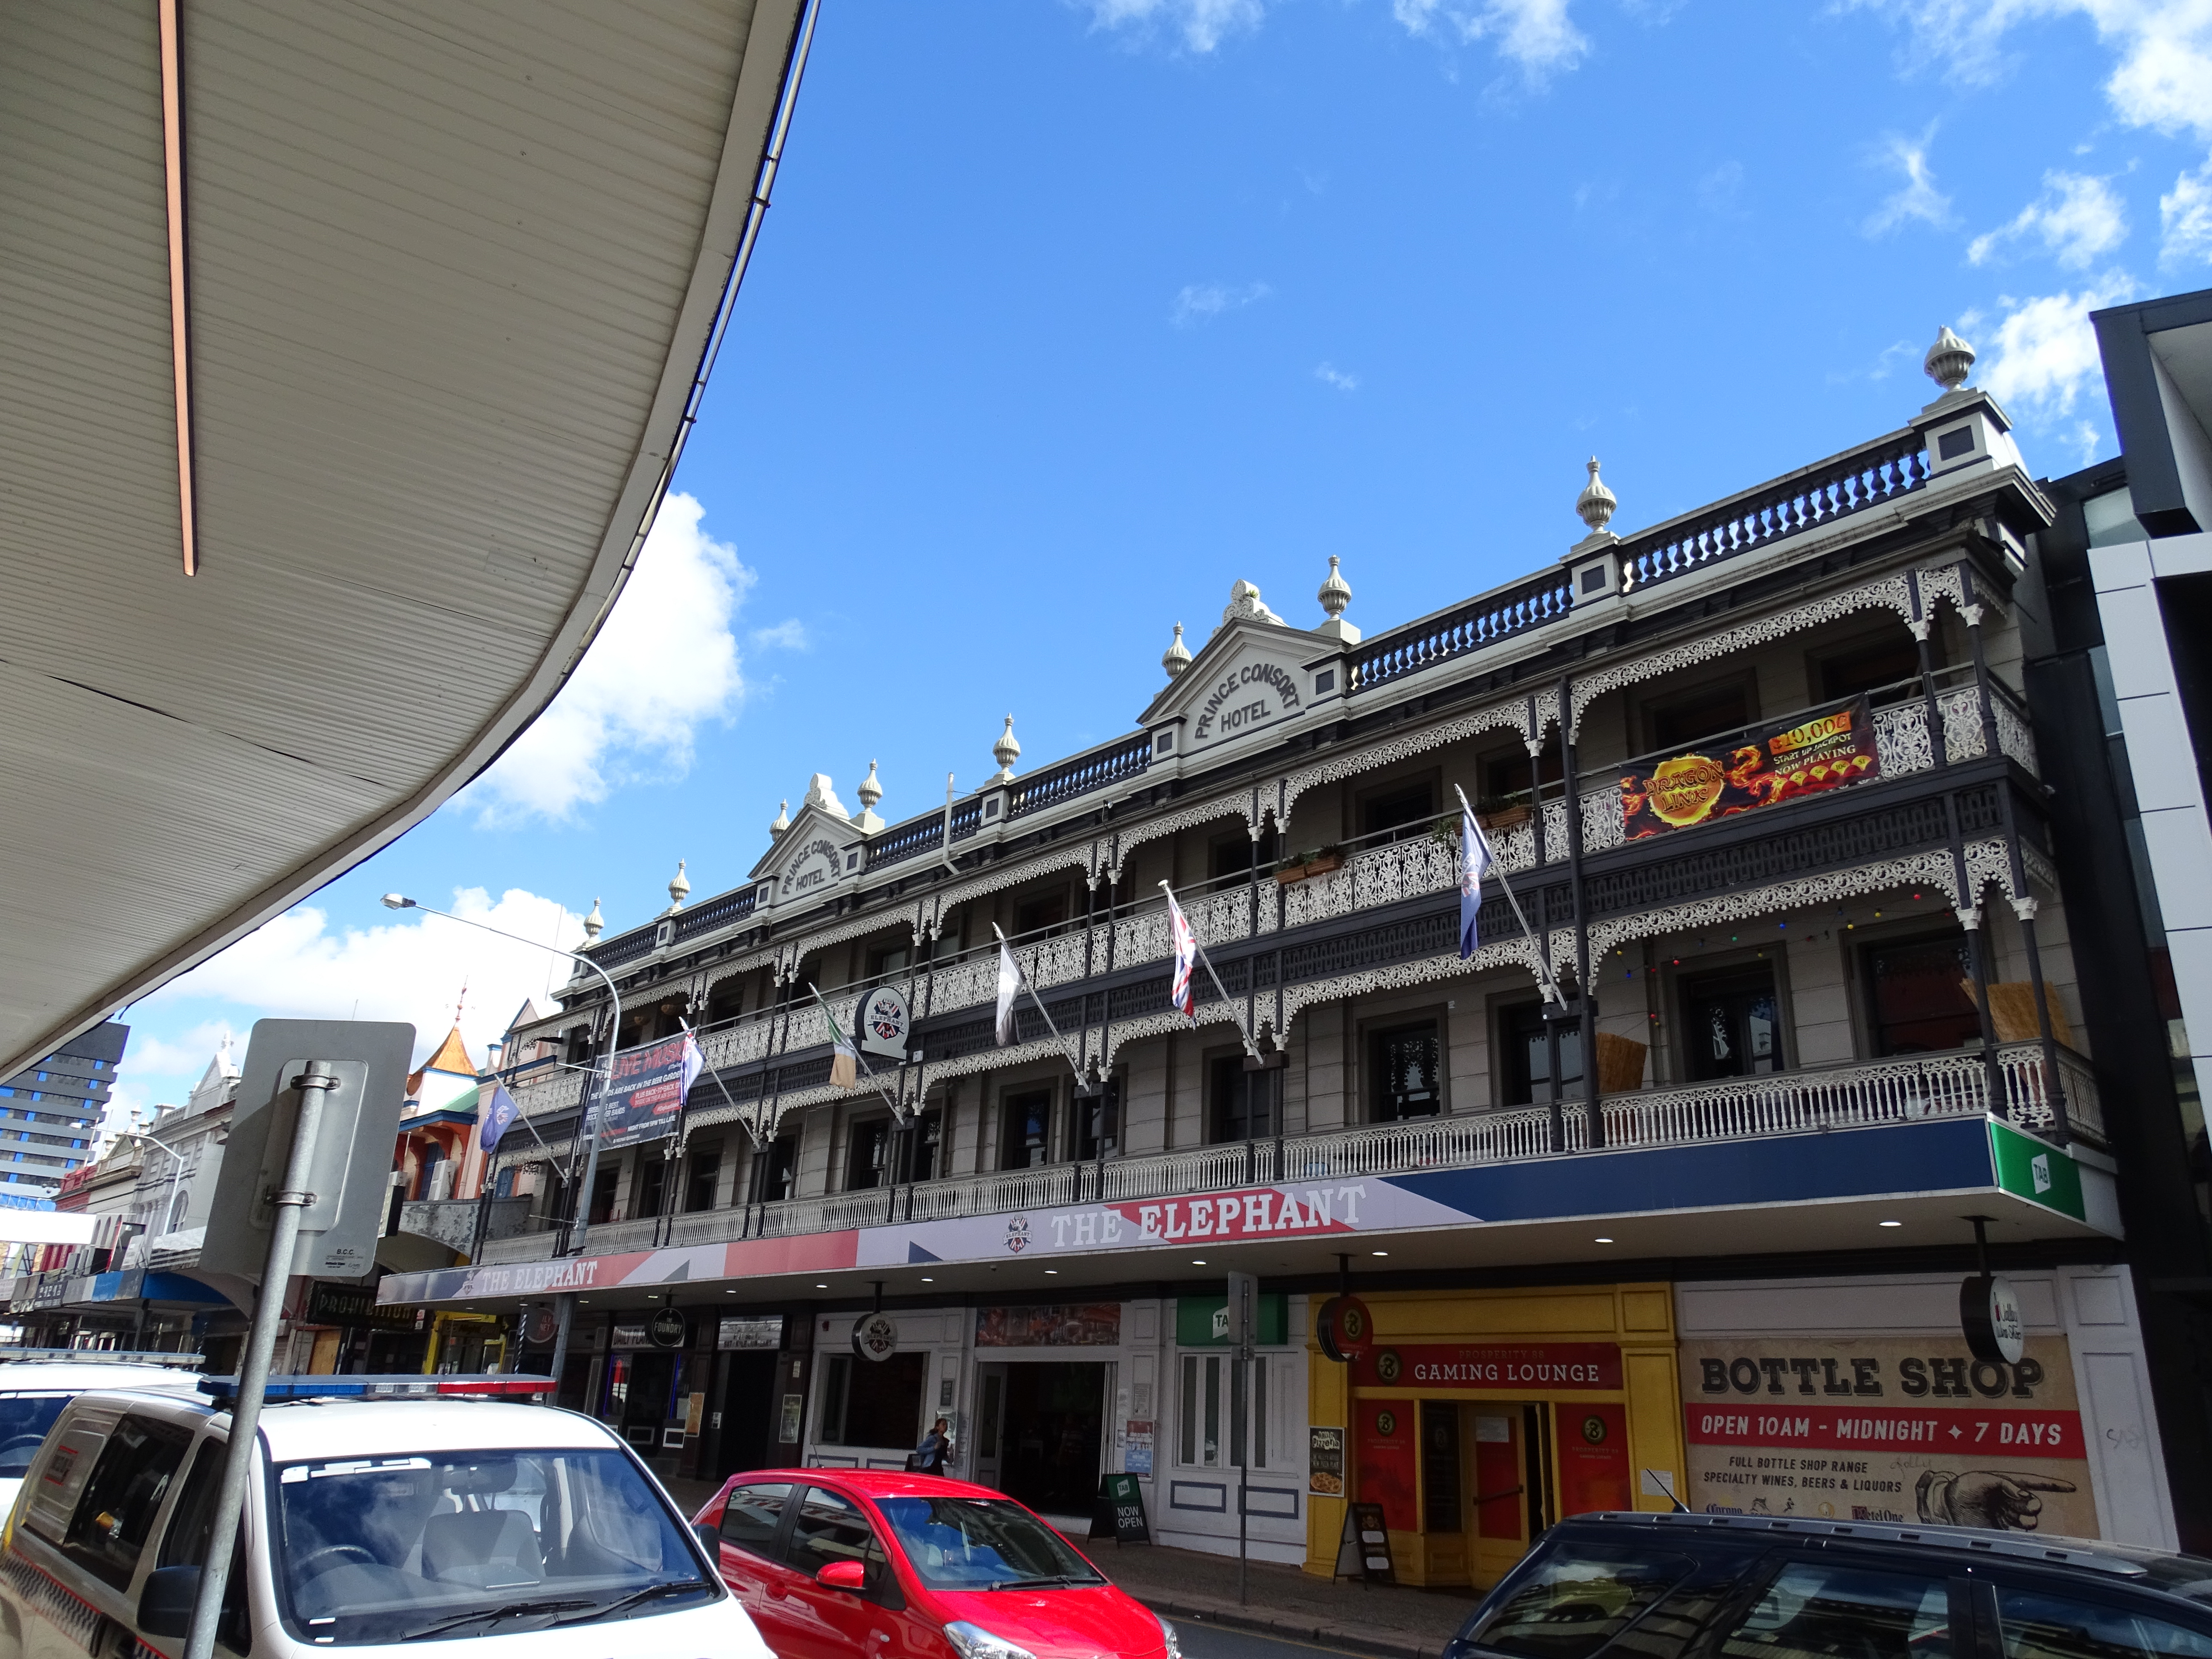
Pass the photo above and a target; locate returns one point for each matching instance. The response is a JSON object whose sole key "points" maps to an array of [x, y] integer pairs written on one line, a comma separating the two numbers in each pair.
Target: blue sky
{"points": [[1066, 316]]}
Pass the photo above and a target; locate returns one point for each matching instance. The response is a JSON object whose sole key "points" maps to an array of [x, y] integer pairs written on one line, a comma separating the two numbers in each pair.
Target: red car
{"points": [[872, 1563]]}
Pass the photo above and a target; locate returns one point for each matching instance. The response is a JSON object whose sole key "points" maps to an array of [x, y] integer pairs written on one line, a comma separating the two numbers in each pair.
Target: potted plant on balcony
{"points": [[1500, 812], [1303, 866]]}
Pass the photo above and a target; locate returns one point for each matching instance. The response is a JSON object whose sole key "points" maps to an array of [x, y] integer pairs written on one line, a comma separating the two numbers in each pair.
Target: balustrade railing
{"points": [[1857, 1095], [1481, 622], [1125, 757], [1817, 495]]}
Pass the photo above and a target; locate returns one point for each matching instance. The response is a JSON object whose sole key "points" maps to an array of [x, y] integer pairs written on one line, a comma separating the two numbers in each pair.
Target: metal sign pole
{"points": [[313, 1084]]}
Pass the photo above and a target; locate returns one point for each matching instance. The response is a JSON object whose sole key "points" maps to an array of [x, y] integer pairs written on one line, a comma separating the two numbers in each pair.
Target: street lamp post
{"points": [[176, 1168], [566, 1302]]}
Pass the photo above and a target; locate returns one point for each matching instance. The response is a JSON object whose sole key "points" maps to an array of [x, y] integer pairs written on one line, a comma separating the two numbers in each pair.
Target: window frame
{"points": [[1374, 1030], [1653, 706]]}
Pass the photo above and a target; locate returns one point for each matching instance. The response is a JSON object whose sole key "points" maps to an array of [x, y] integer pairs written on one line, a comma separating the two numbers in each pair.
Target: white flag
{"points": [[1009, 982]]}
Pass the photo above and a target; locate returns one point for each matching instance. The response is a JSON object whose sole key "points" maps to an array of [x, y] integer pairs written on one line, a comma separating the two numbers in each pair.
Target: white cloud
{"points": [[2044, 354], [665, 662], [1330, 375], [1918, 198], [1201, 302], [1886, 361], [1537, 35], [412, 967], [1203, 24], [2163, 77], [787, 635], [2078, 218], [2185, 219], [2085, 440]]}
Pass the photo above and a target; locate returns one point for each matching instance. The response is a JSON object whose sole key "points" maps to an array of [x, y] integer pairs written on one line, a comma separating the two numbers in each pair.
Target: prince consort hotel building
{"points": [[1784, 792]]}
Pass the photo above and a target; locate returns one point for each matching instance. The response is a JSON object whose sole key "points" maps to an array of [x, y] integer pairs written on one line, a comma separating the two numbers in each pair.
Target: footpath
{"points": [[1381, 1621]]}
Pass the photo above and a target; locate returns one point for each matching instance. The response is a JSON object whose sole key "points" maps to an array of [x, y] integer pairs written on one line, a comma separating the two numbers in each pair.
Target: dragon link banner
{"points": [[1825, 753]]}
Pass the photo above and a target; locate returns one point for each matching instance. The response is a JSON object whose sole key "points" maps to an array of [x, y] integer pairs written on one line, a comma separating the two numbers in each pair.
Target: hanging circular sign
{"points": [[668, 1328], [881, 1022], [542, 1325], [1347, 1329], [875, 1336], [1989, 1316]]}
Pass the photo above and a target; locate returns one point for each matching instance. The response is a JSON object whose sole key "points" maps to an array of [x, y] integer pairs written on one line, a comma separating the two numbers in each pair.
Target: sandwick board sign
{"points": [[1363, 1551], [1119, 1513]]}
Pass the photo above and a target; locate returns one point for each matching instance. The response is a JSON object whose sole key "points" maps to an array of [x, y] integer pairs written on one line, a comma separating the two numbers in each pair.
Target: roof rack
{"points": [[99, 1356], [2072, 1551], [391, 1385]]}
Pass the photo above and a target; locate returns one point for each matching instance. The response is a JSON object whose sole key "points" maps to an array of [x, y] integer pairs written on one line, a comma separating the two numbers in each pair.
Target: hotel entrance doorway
{"points": [[1040, 1432]]}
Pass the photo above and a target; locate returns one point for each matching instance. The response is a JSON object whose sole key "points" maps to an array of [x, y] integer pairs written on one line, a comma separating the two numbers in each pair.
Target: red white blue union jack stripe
{"points": [[1182, 993]]}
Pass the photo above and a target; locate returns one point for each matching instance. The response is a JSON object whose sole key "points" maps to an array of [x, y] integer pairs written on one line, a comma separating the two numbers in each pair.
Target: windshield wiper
{"points": [[1057, 1581], [666, 1587], [512, 1610]]}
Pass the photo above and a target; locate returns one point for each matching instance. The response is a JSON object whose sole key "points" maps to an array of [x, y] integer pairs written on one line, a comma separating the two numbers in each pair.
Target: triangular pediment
{"points": [[810, 856], [1252, 676]]}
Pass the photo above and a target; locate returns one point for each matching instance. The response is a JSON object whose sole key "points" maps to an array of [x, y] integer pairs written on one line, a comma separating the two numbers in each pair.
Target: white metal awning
{"points": [[453, 265]]}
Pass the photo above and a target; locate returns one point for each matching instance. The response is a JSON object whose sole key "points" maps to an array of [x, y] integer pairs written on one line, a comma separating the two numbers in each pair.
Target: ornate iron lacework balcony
{"points": [[1810, 1101], [1124, 757]]}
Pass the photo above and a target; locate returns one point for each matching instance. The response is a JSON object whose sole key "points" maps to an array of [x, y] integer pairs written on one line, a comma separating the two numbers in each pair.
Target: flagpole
{"points": [[898, 1115], [1543, 965], [719, 1084], [1066, 1052], [1250, 1047]]}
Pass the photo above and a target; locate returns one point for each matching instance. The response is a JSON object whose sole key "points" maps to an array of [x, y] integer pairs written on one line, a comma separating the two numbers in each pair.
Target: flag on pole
{"points": [[1474, 865], [693, 1063], [498, 1115], [1183, 993], [1009, 982], [844, 1057]]}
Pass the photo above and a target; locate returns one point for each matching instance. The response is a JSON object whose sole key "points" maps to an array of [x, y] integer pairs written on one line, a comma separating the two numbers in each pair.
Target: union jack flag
{"points": [[1182, 993]]}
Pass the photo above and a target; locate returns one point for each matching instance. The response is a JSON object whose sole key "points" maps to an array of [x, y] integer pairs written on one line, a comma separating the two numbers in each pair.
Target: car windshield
{"points": [[441, 1544], [24, 1421], [981, 1543]]}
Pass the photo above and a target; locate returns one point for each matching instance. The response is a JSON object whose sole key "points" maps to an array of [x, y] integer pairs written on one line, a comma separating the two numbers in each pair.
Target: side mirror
{"points": [[838, 1575], [165, 1606], [709, 1537]]}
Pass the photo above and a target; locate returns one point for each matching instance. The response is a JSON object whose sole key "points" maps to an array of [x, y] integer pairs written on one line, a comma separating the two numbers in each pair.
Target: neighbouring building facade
{"points": [[1768, 782], [49, 1114]]}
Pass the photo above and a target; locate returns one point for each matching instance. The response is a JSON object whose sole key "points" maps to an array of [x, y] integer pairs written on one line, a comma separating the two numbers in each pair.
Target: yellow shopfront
{"points": [[1476, 1419]]}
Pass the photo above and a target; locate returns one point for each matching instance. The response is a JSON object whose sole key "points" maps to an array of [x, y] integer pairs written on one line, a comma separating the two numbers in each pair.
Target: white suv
{"points": [[35, 1384], [372, 1522]]}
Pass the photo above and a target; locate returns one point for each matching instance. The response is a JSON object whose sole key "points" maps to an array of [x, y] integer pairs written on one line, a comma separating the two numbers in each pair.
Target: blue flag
{"points": [[1474, 865], [494, 1121]]}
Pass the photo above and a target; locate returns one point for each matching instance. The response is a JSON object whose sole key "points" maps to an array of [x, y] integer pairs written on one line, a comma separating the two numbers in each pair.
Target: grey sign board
{"points": [[349, 1178]]}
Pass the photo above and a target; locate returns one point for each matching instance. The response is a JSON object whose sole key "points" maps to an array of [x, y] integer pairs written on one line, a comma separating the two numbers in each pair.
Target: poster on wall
{"points": [[644, 1097], [1325, 1463], [1886, 1429], [1137, 1447], [1086, 1325], [1778, 764]]}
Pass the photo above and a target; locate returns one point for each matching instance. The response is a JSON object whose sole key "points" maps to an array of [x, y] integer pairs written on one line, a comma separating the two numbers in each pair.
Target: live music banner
{"points": [[646, 1098], [1781, 764]]}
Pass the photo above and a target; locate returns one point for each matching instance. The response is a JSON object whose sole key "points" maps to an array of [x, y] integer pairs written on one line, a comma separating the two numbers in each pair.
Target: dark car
{"points": [[1748, 1587]]}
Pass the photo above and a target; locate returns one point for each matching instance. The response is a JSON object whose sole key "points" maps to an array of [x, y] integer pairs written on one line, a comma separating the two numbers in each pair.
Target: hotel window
{"points": [[1732, 1023], [928, 1147], [1528, 1056], [699, 1183], [1406, 1065], [1405, 809], [1025, 1129], [1232, 855], [1869, 667], [1205, 1440], [1241, 1100], [779, 1169], [1702, 712], [867, 1157], [1918, 1002]]}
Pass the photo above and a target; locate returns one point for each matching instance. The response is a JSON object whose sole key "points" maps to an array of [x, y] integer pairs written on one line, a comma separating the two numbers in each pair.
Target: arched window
{"points": [[184, 1202]]}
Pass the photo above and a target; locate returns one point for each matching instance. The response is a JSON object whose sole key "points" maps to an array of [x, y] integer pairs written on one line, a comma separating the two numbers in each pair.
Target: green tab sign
{"points": [[2036, 1170], [1202, 1321], [1119, 1513]]}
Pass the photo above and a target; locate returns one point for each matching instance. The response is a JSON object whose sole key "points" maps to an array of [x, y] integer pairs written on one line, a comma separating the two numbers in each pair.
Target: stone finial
{"points": [[1334, 595], [1335, 592], [1006, 752], [679, 889], [782, 818], [1176, 657], [870, 792], [1597, 503], [595, 925], [1949, 360], [821, 796], [1245, 604]]}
